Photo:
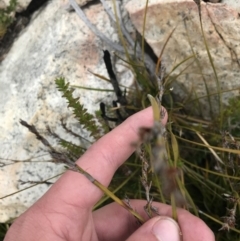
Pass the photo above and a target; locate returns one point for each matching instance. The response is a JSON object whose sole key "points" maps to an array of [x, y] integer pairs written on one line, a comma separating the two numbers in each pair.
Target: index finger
{"points": [[101, 161]]}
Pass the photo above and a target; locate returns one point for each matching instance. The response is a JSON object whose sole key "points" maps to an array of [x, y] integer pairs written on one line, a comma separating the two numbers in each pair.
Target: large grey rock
{"points": [[55, 43], [221, 26]]}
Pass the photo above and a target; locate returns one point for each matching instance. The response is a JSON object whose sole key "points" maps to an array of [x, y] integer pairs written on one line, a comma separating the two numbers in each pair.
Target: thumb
{"points": [[157, 229]]}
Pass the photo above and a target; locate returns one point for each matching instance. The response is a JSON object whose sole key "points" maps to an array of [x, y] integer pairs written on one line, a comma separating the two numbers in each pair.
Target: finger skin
{"points": [[101, 161], [113, 222], [144, 232], [70, 200], [157, 229]]}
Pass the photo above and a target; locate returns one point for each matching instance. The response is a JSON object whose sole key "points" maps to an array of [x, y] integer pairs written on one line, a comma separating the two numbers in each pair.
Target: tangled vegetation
{"points": [[199, 158]]}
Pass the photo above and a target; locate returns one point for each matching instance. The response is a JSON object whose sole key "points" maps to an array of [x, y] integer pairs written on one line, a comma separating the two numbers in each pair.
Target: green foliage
{"points": [[74, 151], [86, 119], [3, 230], [5, 14]]}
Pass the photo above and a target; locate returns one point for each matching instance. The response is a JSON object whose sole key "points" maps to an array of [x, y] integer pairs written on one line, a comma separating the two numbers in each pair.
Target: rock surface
{"points": [[55, 43], [221, 25], [232, 3]]}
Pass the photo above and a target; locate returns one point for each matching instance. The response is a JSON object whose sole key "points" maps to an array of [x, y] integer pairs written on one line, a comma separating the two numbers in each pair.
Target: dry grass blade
{"points": [[210, 149], [212, 172], [143, 30], [213, 147], [160, 55]]}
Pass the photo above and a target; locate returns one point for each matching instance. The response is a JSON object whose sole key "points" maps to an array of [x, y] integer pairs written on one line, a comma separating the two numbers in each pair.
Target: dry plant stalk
{"points": [[149, 209], [229, 221], [232, 162]]}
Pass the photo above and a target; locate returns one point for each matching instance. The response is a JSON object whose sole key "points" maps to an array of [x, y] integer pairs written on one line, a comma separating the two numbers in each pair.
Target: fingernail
{"points": [[166, 229]]}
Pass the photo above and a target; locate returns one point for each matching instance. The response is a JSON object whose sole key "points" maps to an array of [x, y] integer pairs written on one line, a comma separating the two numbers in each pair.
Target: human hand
{"points": [[65, 211]]}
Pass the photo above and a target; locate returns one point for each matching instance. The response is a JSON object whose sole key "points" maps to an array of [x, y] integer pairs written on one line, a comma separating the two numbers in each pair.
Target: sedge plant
{"points": [[192, 162]]}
